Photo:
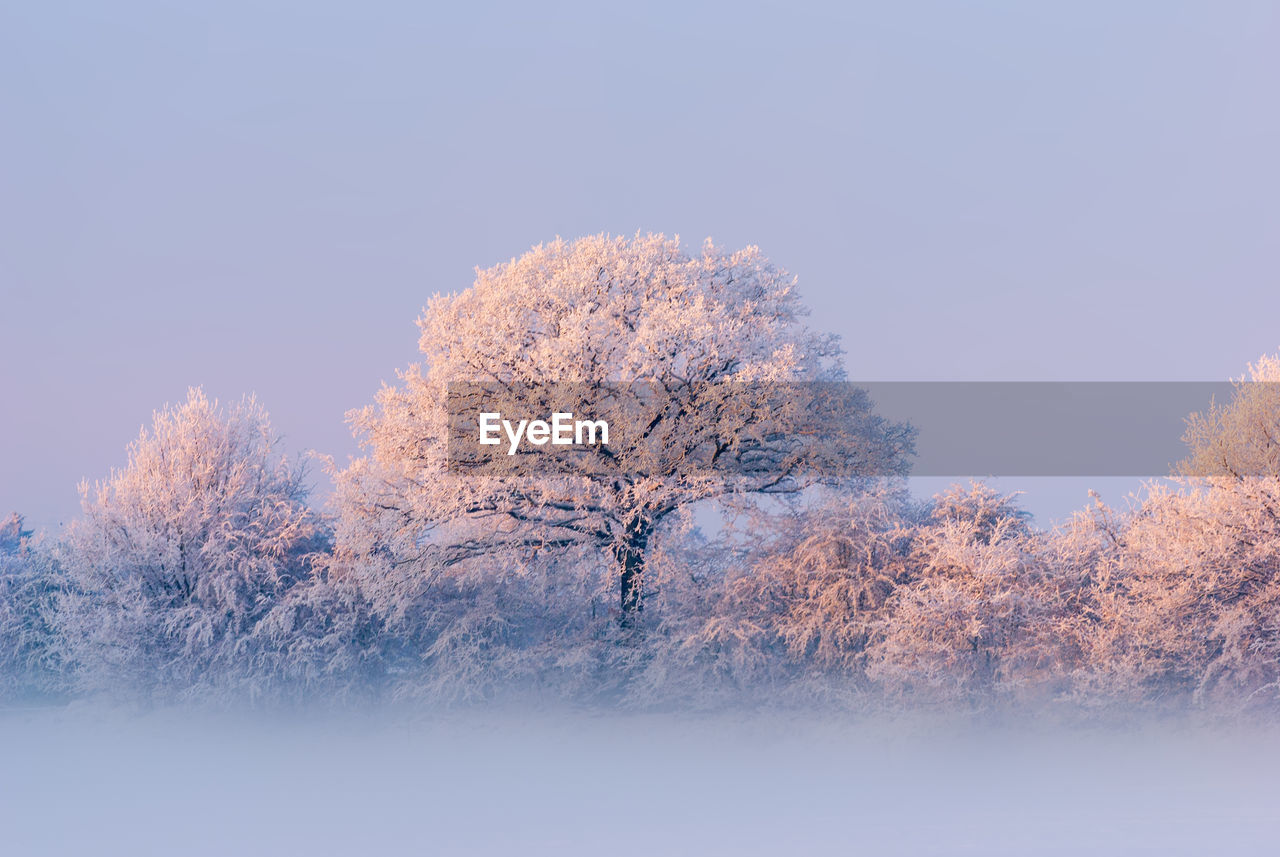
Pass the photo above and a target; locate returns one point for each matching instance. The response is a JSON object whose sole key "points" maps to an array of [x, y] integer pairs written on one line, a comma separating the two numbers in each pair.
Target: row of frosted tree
{"points": [[201, 572]]}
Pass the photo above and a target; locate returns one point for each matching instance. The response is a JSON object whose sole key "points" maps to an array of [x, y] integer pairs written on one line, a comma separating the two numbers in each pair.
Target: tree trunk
{"points": [[630, 556]]}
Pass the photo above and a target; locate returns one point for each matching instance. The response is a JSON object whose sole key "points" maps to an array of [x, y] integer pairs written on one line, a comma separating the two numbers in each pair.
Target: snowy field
{"points": [[85, 782]]}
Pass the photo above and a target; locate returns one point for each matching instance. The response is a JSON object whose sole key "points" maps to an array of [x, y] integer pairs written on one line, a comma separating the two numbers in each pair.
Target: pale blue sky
{"points": [[260, 197]]}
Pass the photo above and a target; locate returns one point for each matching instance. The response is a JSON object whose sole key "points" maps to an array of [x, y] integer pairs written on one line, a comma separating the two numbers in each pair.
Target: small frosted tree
{"points": [[29, 586], [960, 628], [182, 553], [1239, 440], [708, 335], [12, 535], [1187, 591], [811, 598]]}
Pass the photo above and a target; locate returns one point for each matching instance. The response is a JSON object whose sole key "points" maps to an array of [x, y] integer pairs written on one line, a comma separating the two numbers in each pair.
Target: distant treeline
{"points": [[199, 572]]}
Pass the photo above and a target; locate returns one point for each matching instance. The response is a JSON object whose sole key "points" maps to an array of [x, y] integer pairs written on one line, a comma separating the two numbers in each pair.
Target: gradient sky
{"points": [[260, 197]]}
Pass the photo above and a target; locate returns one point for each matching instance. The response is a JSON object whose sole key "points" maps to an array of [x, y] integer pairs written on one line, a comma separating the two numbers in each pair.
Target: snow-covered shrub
{"points": [[779, 610], [1183, 603], [181, 555], [962, 625], [322, 641], [30, 667], [1187, 602]]}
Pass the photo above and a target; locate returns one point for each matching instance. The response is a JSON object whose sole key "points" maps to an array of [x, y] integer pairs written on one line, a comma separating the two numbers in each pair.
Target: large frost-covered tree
{"points": [[710, 353], [181, 554]]}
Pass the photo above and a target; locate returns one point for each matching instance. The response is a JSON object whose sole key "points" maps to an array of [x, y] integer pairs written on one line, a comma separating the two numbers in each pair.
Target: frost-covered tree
{"points": [[1184, 604], [29, 586], [321, 642], [877, 599], [1183, 601], [811, 586], [1240, 440], [181, 554], [711, 339], [960, 628], [12, 534]]}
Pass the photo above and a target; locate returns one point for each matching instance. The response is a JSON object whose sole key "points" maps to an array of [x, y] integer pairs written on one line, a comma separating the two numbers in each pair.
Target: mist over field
{"points": [[548, 782]]}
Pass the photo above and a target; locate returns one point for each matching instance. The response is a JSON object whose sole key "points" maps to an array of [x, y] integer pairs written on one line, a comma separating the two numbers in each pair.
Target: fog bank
{"points": [[93, 782]]}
